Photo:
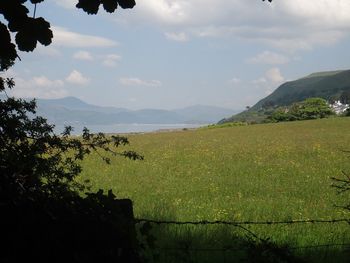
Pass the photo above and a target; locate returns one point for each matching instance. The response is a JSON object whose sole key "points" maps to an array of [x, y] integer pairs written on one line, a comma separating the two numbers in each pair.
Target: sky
{"points": [[169, 54]]}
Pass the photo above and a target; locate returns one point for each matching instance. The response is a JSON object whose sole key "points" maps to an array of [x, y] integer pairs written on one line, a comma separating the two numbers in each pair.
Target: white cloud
{"points": [[179, 37], [111, 60], [331, 12], [234, 80], [75, 77], [66, 38], [44, 87], [289, 25], [139, 82], [306, 41], [39, 87], [270, 81], [170, 12], [259, 81], [83, 55], [43, 81], [47, 51], [268, 57], [274, 76]]}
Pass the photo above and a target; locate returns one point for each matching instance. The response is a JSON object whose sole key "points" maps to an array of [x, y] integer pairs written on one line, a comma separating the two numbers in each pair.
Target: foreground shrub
{"points": [[44, 216]]}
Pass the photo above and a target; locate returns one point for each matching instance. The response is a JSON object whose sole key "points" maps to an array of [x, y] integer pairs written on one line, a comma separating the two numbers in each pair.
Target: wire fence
{"points": [[237, 223], [244, 226], [345, 245]]}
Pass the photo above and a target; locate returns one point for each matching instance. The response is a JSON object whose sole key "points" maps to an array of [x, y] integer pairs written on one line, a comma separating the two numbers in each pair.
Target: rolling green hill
{"points": [[328, 85]]}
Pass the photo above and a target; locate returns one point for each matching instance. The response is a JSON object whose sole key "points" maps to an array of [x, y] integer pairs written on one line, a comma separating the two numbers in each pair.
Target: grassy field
{"points": [[259, 172]]}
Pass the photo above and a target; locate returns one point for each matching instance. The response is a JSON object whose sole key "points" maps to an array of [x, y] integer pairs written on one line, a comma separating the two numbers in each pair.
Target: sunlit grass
{"points": [[259, 172]]}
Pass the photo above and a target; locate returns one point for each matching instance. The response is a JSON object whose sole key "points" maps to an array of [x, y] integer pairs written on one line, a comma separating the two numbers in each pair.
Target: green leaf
{"points": [[36, 1], [110, 5], [25, 41], [126, 3], [8, 53], [89, 6], [43, 32]]}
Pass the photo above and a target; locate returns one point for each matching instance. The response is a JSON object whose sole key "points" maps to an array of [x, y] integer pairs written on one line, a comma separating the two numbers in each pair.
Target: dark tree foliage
{"points": [[29, 30], [268, 104], [345, 97], [34, 159], [44, 216], [92, 6], [347, 112], [311, 108]]}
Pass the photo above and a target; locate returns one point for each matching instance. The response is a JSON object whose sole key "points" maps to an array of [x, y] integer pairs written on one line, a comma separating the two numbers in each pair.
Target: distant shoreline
{"points": [[134, 128]]}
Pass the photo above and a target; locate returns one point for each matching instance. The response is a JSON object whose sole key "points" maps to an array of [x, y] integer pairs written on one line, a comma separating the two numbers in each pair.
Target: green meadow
{"points": [[272, 172]]}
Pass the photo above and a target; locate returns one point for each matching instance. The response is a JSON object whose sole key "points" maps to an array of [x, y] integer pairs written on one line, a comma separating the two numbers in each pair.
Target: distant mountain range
{"points": [[73, 111], [328, 85]]}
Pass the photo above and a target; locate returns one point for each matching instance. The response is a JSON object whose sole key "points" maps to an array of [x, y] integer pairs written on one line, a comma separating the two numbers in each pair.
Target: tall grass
{"points": [[259, 172]]}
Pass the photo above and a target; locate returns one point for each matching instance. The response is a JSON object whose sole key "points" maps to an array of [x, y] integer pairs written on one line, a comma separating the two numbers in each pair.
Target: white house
{"points": [[339, 107]]}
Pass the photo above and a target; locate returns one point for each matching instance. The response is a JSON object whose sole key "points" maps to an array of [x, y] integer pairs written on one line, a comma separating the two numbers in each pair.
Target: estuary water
{"points": [[127, 128]]}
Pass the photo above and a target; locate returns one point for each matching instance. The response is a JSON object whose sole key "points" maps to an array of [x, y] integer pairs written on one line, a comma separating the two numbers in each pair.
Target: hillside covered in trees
{"points": [[330, 85]]}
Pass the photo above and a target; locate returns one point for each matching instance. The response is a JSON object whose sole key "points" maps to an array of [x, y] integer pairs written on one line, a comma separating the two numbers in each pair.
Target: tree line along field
{"points": [[272, 172]]}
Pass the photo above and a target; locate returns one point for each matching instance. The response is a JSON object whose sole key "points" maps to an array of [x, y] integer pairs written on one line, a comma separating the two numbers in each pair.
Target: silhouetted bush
{"points": [[44, 216]]}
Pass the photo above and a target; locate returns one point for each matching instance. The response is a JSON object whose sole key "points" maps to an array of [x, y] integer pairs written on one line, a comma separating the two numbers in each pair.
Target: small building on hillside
{"points": [[338, 107]]}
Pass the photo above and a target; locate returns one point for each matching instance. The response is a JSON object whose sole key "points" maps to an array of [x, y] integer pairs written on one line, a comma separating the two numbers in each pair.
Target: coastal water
{"points": [[127, 128]]}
